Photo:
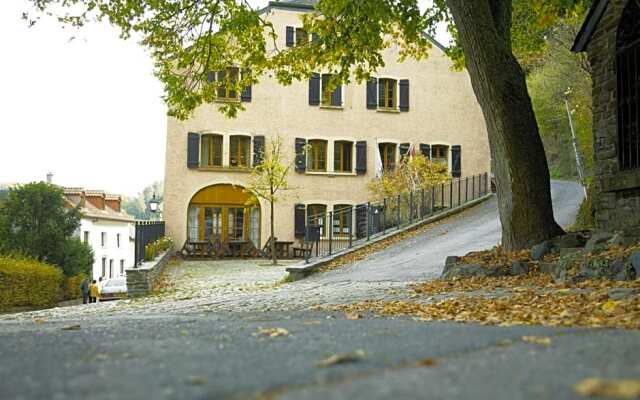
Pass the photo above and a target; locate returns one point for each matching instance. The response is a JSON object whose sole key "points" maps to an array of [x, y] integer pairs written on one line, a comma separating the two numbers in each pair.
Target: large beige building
{"points": [[208, 156]]}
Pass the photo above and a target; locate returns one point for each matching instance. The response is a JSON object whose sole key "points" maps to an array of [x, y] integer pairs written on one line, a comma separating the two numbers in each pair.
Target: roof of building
{"points": [[74, 197], [589, 25], [306, 5]]}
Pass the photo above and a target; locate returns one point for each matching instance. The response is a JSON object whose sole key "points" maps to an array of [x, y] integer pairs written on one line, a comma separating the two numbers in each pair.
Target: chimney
{"points": [[49, 178]]}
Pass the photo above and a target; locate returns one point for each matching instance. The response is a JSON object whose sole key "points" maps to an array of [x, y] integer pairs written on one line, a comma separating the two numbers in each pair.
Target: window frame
{"points": [[313, 218], [118, 240], [86, 236], [303, 33], [313, 155], [394, 92], [242, 141], [121, 267], [326, 103], [385, 153], [339, 156], [229, 94], [104, 266], [343, 220], [103, 240], [436, 158], [210, 139]]}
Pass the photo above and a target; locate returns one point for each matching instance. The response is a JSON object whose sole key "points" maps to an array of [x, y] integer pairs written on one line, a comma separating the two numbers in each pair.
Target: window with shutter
{"points": [[372, 94], [341, 220], [193, 149], [361, 157], [302, 37], [388, 156], [299, 220], [425, 149], [246, 91], [301, 161], [440, 153], [317, 215], [239, 151], [314, 90], [258, 149], [456, 161], [211, 151], [342, 159], [226, 80], [404, 95], [317, 156], [387, 98], [330, 98], [404, 149], [290, 38]]}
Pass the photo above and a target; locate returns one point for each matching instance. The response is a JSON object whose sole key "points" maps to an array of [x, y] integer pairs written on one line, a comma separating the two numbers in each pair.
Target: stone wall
{"points": [[142, 280], [617, 199]]}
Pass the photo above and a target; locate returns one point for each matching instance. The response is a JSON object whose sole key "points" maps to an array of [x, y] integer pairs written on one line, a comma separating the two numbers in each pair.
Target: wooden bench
{"points": [[303, 250]]}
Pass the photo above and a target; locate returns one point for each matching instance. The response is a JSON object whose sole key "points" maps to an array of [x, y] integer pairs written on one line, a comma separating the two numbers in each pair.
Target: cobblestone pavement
{"points": [[254, 285]]}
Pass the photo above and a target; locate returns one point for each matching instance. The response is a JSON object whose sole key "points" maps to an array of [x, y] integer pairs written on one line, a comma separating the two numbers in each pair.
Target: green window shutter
{"points": [[299, 220], [372, 90], [246, 91], [211, 76], [456, 161], [193, 150], [290, 36], [258, 149], [425, 149], [222, 89], [361, 157], [301, 159], [404, 95], [314, 90], [336, 97]]}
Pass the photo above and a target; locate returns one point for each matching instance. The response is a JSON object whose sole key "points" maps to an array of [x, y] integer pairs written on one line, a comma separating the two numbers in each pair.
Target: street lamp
{"points": [[153, 204]]}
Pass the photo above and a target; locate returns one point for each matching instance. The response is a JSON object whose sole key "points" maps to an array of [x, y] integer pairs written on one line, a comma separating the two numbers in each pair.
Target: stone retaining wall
{"points": [[141, 280]]}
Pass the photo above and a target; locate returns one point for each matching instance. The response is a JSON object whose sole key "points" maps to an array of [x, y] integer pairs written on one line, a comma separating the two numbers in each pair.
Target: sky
{"points": [[87, 110]]}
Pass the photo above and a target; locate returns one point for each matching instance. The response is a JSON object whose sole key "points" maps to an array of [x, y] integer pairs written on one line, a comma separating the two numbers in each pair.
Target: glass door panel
{"points": [[235, 223], [212, 222]]}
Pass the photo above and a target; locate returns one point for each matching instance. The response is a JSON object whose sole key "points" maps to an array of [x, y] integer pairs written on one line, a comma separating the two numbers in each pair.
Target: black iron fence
{"points": [[146, 232], [330, 232]]}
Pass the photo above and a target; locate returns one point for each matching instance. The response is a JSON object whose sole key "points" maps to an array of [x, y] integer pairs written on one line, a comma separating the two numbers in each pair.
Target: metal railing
{"points": [[146, 232], [331, 232]]}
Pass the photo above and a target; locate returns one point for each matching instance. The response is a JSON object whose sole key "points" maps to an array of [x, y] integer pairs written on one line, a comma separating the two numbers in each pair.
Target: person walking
{"points": [[84, 287], [94, 293]]}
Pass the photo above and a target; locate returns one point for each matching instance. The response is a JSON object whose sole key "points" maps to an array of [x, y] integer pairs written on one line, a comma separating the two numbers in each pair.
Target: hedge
{"points": [[72, 286], [27, 282]]}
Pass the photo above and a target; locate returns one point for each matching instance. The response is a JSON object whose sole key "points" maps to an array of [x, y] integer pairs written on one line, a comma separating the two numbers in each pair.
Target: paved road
{"points": [[422, 257], [205, 346]]}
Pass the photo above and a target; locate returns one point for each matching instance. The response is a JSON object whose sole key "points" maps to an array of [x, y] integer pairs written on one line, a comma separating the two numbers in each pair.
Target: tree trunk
{"points": [[274, 258], [518, 158]]}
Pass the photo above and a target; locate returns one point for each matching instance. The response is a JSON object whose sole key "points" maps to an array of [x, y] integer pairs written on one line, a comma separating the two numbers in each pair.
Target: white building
{"points": [[108, 229]]}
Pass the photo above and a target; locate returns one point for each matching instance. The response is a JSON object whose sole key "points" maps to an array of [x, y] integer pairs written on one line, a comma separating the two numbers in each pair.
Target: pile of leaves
{"points": [[530, 300], [496, 257]]}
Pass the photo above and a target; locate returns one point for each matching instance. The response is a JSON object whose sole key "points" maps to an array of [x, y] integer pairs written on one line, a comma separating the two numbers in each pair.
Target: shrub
{"points": [[151, 250], [76, 258], [27, 282], [72, 286]]}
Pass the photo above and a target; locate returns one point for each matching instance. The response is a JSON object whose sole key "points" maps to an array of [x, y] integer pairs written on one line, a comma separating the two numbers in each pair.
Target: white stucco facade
{"points": [[112, 243]]}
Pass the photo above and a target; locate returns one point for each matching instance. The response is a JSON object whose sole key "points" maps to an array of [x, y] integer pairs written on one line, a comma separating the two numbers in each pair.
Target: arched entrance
{"points": [[225, 211]]}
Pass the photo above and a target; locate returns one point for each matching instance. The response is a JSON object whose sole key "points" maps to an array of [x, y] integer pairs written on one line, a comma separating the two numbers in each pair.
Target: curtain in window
{"points": [[192, 223]]}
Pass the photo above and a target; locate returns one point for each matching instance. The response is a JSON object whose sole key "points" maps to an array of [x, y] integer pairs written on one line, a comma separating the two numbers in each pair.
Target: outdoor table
{"points": [[282, 248], [238, 247], [200, 247]]}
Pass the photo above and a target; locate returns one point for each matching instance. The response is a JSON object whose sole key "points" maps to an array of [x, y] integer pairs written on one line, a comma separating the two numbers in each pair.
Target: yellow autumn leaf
{"points": [[613, 388], [539, 340]]}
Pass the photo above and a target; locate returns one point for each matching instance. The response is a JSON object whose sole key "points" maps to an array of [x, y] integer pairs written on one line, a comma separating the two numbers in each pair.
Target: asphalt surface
{"points": [[202, 350], [422, 257]]}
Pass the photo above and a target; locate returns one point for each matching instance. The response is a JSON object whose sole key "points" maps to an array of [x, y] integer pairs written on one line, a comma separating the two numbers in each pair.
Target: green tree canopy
{"points": [[36, 221]]}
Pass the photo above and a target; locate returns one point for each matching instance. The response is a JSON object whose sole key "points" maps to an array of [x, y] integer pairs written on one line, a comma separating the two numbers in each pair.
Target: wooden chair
{"points": [[266, 249], [303, 250]]}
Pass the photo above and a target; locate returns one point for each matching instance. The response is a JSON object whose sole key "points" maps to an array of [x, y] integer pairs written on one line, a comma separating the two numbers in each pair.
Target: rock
{"points": [[451, 260], [565, 251], [598, 241], [622, 293], [540, 250], [547, 267], [454, 271], [519, 268], [571, 239], [617, 239], [616, 270], [634, 260]]}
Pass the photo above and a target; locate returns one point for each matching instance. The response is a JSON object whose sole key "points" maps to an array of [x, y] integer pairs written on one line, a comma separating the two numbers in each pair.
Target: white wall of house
{"points": [[114, 254]]}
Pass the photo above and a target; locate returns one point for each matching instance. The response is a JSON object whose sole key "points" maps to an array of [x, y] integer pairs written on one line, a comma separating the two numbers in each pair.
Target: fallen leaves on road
{"points": [[496, 257], [39, 321], [352, 315], [427, 362], [528, 300], [197, 380], [613, 388], [539, 340], [342, 358], [271, 332], [71, 328]]}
